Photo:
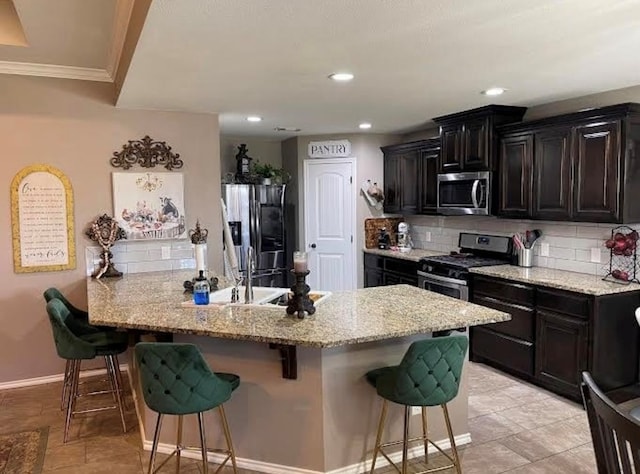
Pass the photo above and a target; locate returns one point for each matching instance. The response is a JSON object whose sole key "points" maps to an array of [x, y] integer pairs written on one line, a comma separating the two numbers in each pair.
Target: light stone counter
{"points": [[414, 254], [560, 279], [152, 301]]}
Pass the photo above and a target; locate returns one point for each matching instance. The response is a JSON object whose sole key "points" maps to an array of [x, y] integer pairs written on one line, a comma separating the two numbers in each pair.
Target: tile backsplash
{"points": [[570, 243], [140, 257]]}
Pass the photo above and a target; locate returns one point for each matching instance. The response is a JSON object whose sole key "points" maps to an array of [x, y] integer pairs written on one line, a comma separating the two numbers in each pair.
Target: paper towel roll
{"points": [[201, 257]]}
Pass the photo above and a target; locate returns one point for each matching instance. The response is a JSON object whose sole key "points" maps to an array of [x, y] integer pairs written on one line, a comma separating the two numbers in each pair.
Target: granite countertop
{"points": [[152, 301], [414, 254], [560, 279]]}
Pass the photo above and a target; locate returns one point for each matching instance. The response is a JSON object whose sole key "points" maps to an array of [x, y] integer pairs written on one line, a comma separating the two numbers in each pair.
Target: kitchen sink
{"points": [[263, 295]]}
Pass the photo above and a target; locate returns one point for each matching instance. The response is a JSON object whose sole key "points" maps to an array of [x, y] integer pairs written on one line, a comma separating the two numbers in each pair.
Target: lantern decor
{"points": [[105, 231], [198, 238], [243, 165]]}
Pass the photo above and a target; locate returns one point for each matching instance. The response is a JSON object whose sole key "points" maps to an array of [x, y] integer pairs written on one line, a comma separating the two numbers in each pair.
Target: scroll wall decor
{"points": [[42, 220], [147, 153]]}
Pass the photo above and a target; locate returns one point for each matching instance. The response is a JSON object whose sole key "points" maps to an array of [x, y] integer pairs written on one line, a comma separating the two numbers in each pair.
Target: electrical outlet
{"points": [[595, 254], [416, 410], [166, 253], [544, 249], [427, 237]]}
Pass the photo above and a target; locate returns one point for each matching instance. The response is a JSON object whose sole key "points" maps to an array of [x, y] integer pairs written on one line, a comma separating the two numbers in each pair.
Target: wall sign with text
{"points": [[42, 220], [330, 149]]}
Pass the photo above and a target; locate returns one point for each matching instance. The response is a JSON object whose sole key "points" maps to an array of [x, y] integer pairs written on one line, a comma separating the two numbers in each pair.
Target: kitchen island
{"points": [[324, 419]]}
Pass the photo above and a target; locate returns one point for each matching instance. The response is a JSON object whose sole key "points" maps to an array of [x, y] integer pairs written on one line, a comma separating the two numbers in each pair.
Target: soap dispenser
{"points": [[201, 289]]}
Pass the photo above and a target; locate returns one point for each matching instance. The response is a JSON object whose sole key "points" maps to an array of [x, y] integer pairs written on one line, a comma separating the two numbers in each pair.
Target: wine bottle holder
{"points": [[623, 261]]}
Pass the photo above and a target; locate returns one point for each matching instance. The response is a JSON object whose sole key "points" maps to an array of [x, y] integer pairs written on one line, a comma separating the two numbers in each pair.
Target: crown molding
{"points": [[54, 70], [118, 35]]}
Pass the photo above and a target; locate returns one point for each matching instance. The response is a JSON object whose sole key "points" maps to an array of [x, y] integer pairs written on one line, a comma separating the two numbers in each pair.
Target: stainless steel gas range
{"points": [[449, 274]]}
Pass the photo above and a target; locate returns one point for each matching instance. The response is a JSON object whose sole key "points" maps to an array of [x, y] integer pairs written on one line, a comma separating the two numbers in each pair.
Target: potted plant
{"points": [[264, 172]]}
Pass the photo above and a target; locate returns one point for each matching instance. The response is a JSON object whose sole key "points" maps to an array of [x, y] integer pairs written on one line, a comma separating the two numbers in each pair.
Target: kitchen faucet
{"points": [[250, 268]]}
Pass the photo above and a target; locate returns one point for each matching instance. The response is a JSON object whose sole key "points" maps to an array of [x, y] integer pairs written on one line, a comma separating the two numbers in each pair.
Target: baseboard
{"points": [[270, 468], [53, 378]]}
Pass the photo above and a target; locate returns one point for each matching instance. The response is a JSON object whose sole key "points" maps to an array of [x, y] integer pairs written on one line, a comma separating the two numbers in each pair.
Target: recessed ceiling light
{"points": [[254, 118], [341, 76], [494, 91], [287, 129], [365, 125]]}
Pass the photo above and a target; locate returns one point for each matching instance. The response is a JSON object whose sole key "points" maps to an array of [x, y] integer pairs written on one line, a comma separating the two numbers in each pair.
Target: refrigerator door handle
{"points": [[258, 231]]}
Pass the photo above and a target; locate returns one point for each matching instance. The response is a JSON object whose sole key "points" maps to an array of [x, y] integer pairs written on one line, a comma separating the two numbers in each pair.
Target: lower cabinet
{"points": [[553, 335], [380, 271]]}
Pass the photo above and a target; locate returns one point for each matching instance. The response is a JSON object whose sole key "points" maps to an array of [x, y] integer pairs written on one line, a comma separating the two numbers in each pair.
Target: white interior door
{"points": [[329, 210]]}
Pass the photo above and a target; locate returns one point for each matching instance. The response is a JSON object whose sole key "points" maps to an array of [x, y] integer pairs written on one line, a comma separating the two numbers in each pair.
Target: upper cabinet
{"points": [[468, 139], [578, 167], [410, 177]]}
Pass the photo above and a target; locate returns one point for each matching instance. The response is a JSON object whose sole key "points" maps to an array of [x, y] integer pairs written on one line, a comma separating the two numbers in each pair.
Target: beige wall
{"points": [[73, 126], [266, 151]]}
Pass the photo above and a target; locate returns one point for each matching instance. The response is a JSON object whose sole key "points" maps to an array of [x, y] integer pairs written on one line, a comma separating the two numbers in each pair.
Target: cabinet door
{"points": [[409, 180], [561, 351], [516, 156], [552, 175], [429, 181], [372, 277], [596, 157], [451, 148], [391, 184], [475, 149]]}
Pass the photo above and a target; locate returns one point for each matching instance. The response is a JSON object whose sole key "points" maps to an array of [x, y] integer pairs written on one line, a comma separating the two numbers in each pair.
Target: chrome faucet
{"points": [[248, 283]]}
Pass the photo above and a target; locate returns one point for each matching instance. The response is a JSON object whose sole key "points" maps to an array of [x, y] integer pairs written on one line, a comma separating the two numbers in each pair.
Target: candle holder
{"points": [[300, 303], [198, 238], [105, 231]]}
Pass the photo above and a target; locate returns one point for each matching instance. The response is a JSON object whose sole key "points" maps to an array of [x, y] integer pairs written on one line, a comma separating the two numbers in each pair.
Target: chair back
{"points": [[54, 293], [615, 435], [429, 373], [176, 380], [68, 345]]}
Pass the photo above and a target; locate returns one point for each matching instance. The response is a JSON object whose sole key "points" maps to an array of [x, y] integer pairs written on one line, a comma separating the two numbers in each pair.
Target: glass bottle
{"points": [[201, 289]]}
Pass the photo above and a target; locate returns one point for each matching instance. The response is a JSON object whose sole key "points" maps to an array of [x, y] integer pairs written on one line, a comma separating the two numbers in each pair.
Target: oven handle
{"points": [[441, 279], [474, 193]]}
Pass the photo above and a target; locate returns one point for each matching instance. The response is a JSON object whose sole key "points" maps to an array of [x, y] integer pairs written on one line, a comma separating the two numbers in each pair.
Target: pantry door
{"points": [[329, 223]]}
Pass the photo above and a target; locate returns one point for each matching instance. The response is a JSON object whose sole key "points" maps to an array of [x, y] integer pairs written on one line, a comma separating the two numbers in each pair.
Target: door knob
{"points": [[312, 246]]}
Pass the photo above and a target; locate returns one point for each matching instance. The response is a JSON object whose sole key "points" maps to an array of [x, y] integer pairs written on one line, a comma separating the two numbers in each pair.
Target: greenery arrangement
{"points": [[268, 171]]}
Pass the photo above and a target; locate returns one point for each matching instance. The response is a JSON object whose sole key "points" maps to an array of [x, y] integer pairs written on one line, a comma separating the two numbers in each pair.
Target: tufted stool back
{"points": [[176, 380], [68, 345], [428, 375]]}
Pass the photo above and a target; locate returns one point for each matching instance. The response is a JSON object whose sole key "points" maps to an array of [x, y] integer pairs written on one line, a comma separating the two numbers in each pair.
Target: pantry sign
{"points": [[330, 149]]}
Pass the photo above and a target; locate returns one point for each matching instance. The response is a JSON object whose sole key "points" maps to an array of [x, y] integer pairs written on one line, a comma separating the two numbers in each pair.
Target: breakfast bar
{"points": [[322, 419]]}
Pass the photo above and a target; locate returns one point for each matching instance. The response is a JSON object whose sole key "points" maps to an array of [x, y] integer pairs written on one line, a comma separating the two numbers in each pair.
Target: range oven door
{"points": [[457, 289], [464, 193]]}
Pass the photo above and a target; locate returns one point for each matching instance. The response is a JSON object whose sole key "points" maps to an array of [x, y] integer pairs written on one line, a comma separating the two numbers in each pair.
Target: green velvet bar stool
{"points": [[75, 349], [78, 322], [428, 375], [176, 380]]}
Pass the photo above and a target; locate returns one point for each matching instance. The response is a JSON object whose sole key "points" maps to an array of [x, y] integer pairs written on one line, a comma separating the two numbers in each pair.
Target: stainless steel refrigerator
{"points": [[257, 216]]}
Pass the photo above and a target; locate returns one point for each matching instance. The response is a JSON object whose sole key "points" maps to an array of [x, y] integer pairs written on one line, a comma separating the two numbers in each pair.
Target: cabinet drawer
{"points": [[522, 324], [516, 292], [564, 302], [373, 261], [505, 350], [404, 267]]}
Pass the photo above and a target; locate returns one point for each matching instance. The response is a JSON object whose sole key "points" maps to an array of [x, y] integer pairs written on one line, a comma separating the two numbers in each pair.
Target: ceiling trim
{"points": [[54, 70], [118, 35]]}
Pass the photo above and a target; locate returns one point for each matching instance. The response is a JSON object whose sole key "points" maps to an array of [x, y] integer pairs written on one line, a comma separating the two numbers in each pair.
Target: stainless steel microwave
{"points": [[464, 193]]}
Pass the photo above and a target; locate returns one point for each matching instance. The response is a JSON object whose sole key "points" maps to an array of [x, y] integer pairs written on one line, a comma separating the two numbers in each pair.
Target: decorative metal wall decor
{"points": [[105, 231], [147, 153], [42, 220]]}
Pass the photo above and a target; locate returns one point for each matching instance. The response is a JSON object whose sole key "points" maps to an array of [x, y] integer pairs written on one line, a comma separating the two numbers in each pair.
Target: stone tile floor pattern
{"points": [[515, 427]]}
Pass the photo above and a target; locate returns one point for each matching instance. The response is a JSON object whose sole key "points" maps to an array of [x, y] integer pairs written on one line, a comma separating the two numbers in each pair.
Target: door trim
{"points": [[351, 161]]}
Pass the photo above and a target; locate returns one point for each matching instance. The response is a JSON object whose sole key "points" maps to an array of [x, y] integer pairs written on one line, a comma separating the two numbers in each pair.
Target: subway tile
{"points": [[136, 256], [182, 254], [570, 242], [593, 232], [142, 267], [144, 245], [560, 229], [563, 253], [575, 266], [181, 245], [183, 264]]}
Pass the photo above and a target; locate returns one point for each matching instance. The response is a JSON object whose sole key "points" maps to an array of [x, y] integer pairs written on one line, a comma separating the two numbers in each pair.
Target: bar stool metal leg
{"points": [[156, 439], [179, 443], [227, 435], [73, 395], [118, 391], [425, 432], [65, 385], [376, 449], [110, 376], [405, 439], [203, 444], [119, 376], [454, 450]]}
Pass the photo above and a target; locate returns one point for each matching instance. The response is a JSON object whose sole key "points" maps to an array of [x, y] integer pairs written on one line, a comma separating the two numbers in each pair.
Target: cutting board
{"points": [[372, 230]]}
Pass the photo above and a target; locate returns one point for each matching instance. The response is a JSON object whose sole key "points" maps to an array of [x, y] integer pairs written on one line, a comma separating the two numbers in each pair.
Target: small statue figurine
{"points": [[106, 231], [243, 165]]}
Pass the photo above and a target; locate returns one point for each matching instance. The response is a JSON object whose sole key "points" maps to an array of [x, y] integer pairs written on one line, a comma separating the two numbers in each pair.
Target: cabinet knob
{"points": [[312, 246]]}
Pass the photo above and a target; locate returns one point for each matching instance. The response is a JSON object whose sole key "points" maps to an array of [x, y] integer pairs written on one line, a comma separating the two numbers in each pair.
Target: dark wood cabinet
{"points": [[552, 175], [554, 335], [581, 168], [411, 178], [382, 270], [468, 139], [515, 176]]}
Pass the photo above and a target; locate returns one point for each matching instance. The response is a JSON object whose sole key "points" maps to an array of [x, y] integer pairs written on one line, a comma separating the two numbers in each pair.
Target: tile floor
{"points": [[515, 427]]}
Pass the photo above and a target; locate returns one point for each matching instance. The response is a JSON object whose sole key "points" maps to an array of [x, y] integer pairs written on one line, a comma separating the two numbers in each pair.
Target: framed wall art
{"points": [[42, 220], [149, 206]]}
